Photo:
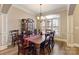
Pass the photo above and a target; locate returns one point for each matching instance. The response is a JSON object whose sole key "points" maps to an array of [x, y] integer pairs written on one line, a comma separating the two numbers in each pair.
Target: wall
{"points": [[76, 25], [3, 31], [62, 24], [70, 30], [11, 21], [73, 29], [14, 17], [0, 30]]}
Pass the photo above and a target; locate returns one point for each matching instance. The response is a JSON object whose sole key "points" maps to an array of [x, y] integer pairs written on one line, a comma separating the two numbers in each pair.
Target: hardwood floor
{"points": [[9, 51], [60, 48]]}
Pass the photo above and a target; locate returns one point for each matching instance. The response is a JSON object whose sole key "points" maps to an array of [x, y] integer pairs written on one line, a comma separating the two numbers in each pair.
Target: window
{"points": [[56, 25], [51, 23], [43, 26], [48, 24]]}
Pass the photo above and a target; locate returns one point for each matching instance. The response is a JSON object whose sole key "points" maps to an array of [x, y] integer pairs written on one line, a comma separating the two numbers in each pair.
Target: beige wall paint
{"points": [[73, 34], [62, 23], [76, 24], [14, 17], [11, 21], [0, 30], [70, 30]]}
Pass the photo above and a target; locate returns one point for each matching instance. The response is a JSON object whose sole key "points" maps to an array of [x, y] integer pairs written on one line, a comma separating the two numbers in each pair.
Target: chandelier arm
{"points": [[40, 11]]}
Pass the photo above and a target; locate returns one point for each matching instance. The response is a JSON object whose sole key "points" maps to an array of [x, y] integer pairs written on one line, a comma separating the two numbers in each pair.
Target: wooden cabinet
{"points": [[27, 25], [23, 25]]}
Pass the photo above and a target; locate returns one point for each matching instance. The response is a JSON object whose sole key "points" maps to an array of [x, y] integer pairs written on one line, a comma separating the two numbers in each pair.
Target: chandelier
{"points": [[40, 15], [40, 11]]}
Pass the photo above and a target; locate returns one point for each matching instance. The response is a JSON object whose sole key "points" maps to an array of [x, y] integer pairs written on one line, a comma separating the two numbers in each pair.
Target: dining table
{"points": [[36, 39]]}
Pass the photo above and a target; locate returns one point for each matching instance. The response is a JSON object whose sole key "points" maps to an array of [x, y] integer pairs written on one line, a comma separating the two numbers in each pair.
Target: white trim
{"points": [[58, 39], [76, 45], [73, 45], [6, 29], [68, 44], [72, 29], [3, 47], [2, 29], [67, 26]]}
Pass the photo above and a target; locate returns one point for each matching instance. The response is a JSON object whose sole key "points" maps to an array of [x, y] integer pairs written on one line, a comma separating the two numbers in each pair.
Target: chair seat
{"points": [[44, 44]]}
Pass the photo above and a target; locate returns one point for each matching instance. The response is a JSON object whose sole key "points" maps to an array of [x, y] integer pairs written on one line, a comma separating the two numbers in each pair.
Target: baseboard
{"points": [[76, 45], [3, 47], [58, 39], [73, 45], [68, 44]]}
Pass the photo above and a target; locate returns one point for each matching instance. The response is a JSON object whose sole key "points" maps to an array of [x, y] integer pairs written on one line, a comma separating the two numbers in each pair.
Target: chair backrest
{"points": [[14, 34], [52, 34], [21, 42], [28, 33], [21, 38], [35, 31], [20, 46], [47, 39], [46, 36]]}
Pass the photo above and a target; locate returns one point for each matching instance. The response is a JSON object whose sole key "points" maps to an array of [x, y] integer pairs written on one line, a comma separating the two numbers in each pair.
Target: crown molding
{"points": [[23, 9], [71, 8]]}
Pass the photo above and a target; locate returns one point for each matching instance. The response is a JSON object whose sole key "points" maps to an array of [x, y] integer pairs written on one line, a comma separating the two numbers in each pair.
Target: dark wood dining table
{"points": [[37, 40]]}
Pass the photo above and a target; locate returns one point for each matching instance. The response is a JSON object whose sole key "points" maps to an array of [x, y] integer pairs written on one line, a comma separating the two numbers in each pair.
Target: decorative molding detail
{"points": [[5, 8], [71, 8]]}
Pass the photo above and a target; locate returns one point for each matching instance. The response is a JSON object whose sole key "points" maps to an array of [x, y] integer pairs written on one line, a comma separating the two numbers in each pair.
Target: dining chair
{"points": [[31, 48], [35, 31], [39, 32], [14, 36], [22, 47], [52, 42], [46, 44]]}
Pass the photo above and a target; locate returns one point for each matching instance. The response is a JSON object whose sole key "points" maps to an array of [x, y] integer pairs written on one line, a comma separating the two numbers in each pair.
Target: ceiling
{"points": [[35, 8], [71, 9], [4, 8]]}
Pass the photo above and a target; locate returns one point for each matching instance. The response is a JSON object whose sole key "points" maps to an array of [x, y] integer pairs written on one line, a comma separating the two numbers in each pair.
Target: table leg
{"points": [[37, 49]]}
